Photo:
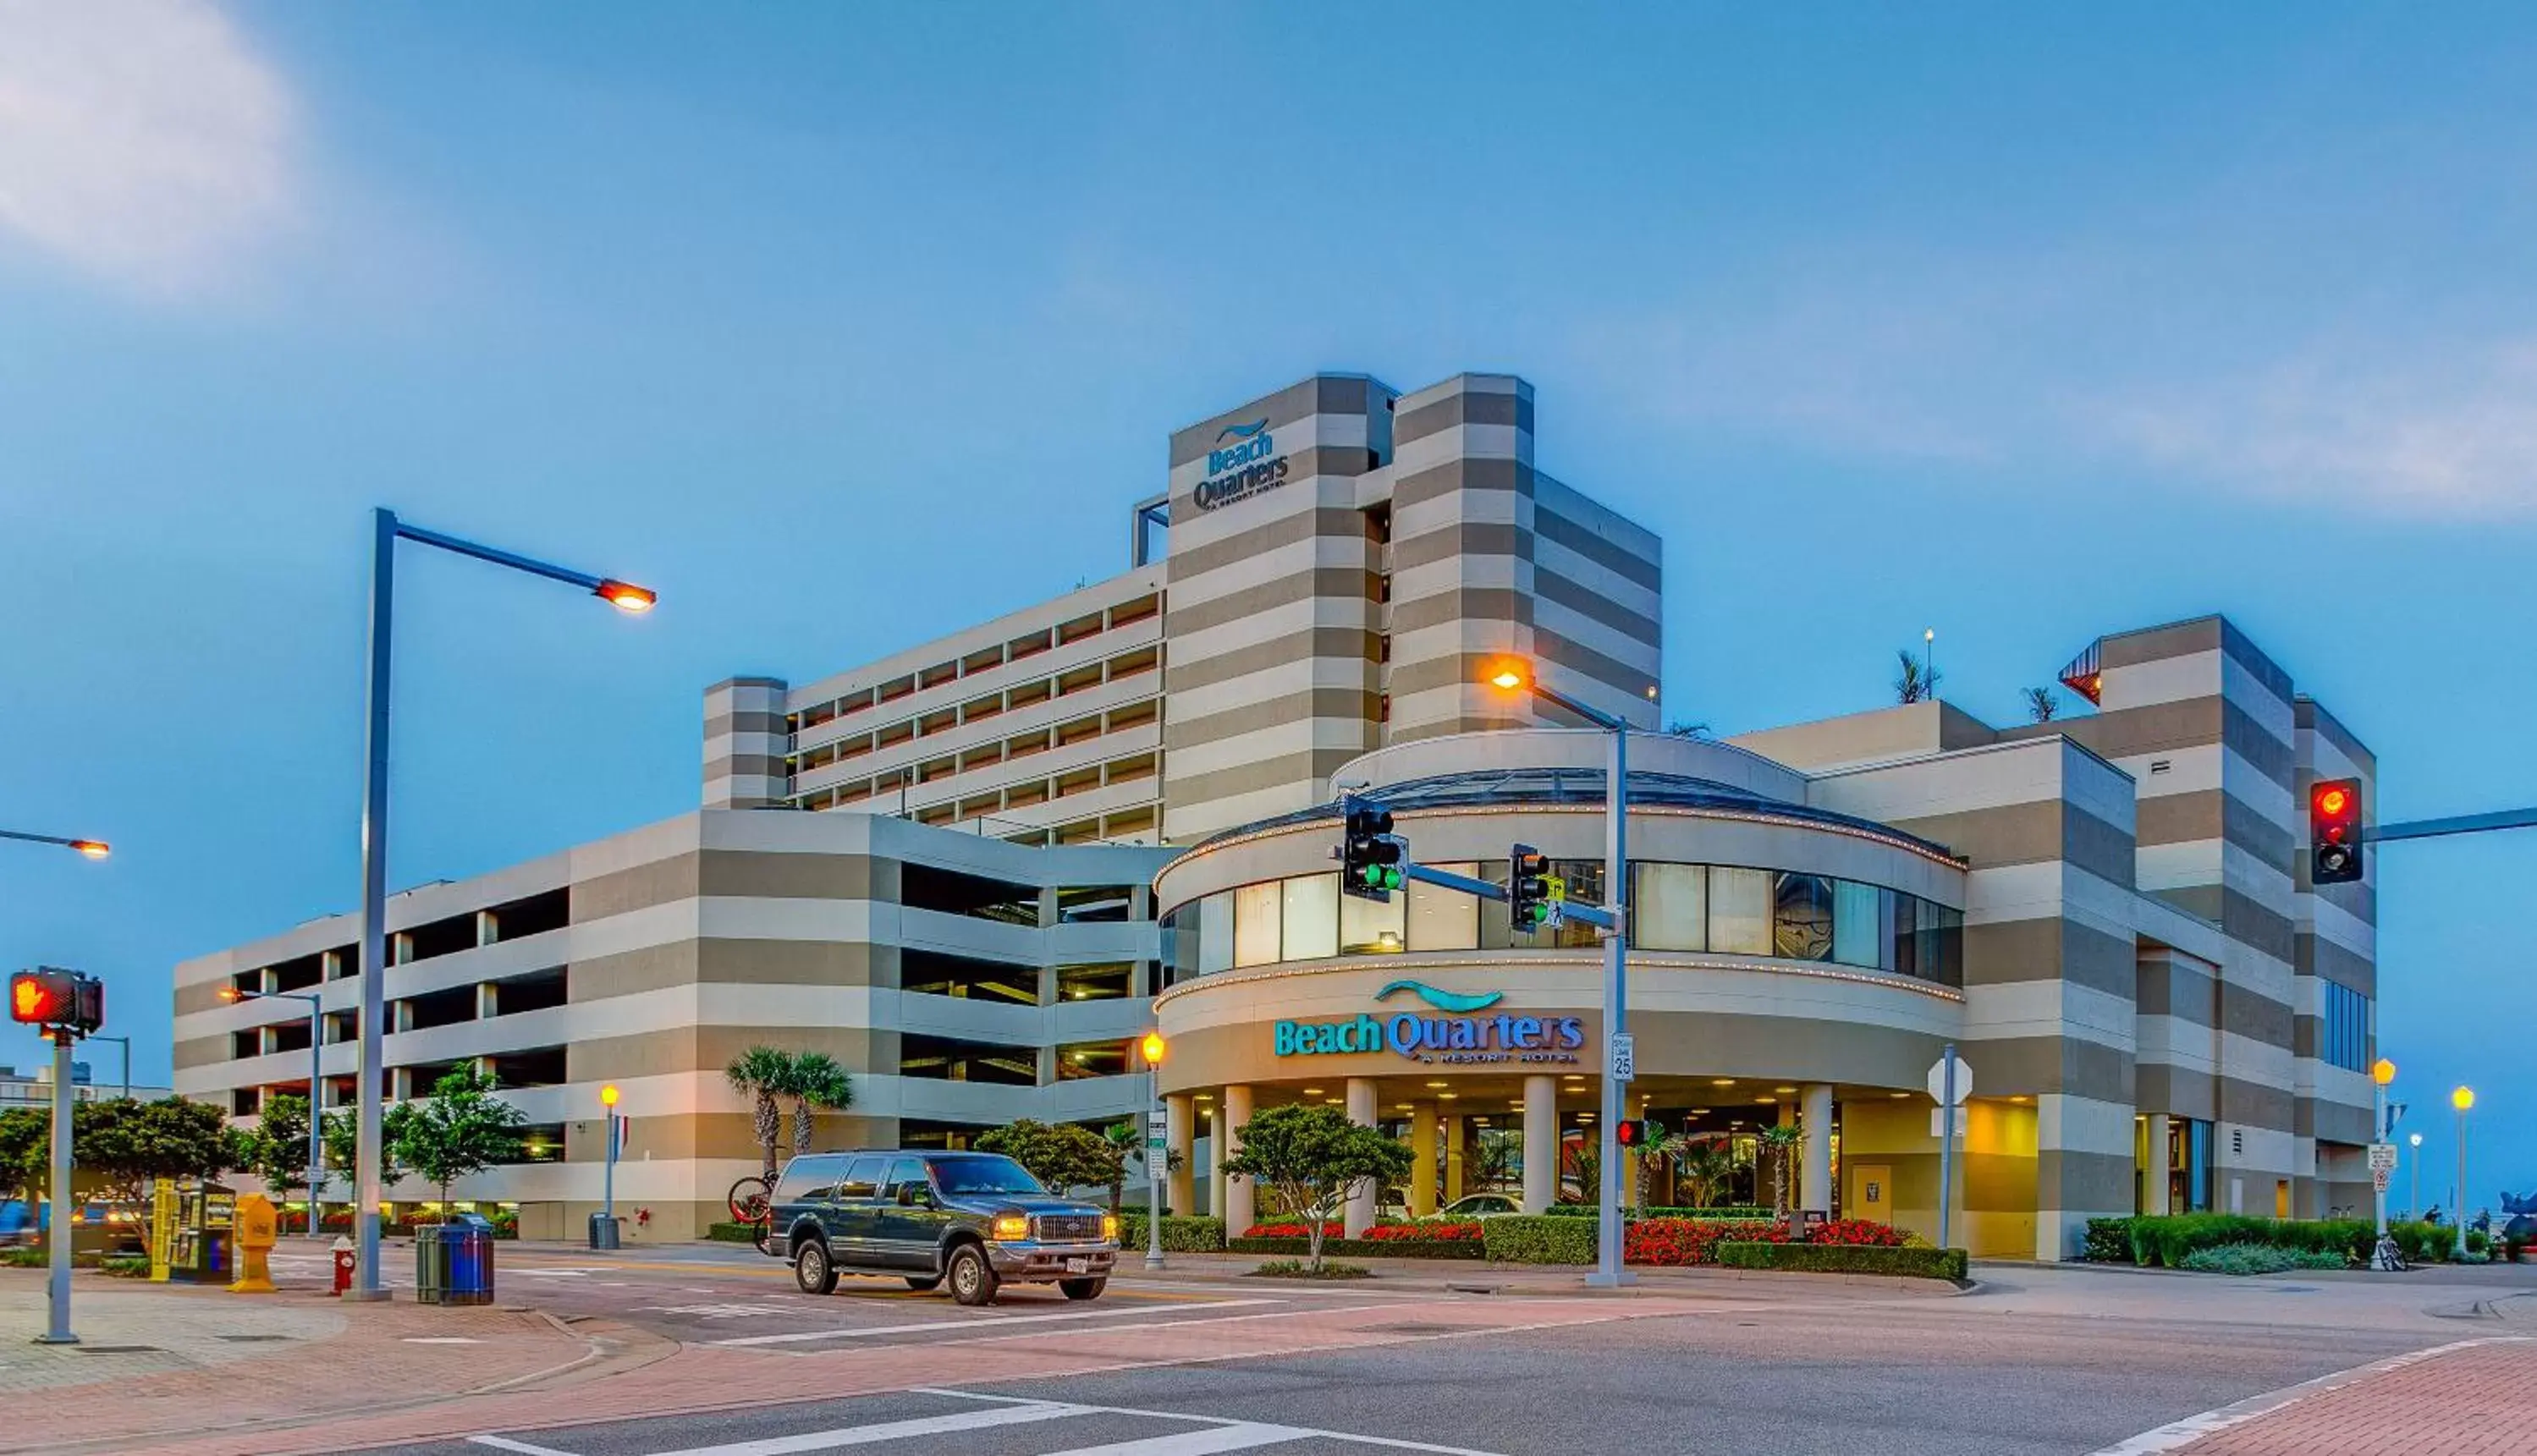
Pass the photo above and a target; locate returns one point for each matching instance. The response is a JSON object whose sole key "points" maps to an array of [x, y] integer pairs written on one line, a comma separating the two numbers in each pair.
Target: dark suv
{"points": [[973, 1219]]}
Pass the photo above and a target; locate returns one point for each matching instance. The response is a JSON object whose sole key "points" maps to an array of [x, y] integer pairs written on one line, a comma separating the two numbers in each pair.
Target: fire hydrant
{"points": [[343, 1265]]}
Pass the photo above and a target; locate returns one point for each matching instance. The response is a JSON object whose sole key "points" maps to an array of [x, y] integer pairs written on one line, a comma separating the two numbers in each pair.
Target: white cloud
{"points": [[142, 141]]}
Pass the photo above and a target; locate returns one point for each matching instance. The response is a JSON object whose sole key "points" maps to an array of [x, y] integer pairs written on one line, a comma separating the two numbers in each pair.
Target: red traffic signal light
{"points": [[2334, 831], [50, 996], [1630, 1133], [42, 997]]}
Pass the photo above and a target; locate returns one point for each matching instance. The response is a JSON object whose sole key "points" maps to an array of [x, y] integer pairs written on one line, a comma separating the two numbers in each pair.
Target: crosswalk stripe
{"points": [[984, 1321], [1390, 1443], [892, 1430], [1239, 1436], [522, 1448]]}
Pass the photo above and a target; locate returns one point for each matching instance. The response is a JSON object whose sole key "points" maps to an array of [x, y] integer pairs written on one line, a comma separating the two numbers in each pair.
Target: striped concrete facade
{"points": [[1343, 561], [670, 950]]}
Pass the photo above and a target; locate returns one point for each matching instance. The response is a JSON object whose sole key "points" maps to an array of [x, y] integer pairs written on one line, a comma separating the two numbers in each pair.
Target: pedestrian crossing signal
{"points": [[50, 996]]}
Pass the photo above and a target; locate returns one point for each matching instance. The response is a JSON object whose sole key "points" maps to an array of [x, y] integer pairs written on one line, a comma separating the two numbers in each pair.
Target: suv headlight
{"points": [[1010, 1226], [1110, 1227]]}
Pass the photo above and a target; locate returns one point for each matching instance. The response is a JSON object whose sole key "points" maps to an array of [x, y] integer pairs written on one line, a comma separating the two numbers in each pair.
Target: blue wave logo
{"points": [[1442, 1000], [1241, 431]]}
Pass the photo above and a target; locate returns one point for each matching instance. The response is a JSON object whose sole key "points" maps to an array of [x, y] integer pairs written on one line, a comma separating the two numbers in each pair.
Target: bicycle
{"points": [[752, 1202]]}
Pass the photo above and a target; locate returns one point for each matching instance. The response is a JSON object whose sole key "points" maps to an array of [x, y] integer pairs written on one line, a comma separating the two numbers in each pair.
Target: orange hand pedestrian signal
{"points": [[41, 998]]}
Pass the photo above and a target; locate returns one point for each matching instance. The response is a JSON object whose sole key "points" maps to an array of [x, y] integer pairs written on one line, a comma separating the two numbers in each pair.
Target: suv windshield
{"points": [[983, 1174]]}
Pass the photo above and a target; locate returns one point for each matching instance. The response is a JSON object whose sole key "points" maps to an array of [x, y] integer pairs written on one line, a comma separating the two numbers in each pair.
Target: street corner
{"points": [[2467, 1398]]}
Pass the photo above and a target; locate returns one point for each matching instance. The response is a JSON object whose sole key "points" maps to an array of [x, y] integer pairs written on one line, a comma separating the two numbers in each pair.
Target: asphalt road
{"points": [[2019, 1372]]}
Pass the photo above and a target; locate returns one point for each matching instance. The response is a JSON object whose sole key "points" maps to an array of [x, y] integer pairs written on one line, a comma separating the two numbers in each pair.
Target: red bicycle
{"points": [[752, 1203]]}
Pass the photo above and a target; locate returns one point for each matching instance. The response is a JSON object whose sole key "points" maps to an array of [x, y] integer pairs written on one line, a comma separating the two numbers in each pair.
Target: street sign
{"points": [[1940, 1130], [2380, 1177], [2383, 1158], [1625, 1057], [1938, 1081]]}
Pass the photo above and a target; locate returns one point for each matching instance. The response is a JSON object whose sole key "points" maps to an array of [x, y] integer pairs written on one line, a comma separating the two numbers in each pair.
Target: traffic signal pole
{"points": [[57, 1234]]}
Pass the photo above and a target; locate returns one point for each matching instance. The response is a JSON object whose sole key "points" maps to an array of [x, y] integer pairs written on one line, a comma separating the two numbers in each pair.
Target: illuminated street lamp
{"points": [[2381, 1072], [386, 530], [2414, 1203], [2462, 1099], [1152, 1048], [93, 849], [608, 1174], [316, 1082], [1514, 675]]}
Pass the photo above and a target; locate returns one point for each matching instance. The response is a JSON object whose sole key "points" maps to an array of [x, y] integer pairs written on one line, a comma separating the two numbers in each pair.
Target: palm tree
{"points": [[1704, 1170], [763, 1073], [2042, 704], [1779, 1150], [1660, 1149], [818, 1082], [1914, 683]]}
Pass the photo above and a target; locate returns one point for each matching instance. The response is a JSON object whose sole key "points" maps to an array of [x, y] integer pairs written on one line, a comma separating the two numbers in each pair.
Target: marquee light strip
{"points": [[1582, 959]]}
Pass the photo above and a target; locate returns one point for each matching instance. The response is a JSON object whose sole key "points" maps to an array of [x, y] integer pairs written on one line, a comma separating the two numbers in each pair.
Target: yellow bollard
{"points": [[255, 1232]]}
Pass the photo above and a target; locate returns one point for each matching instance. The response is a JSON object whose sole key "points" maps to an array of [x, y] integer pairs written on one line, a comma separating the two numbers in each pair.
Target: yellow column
{"points": [[1179, 1191], [1452, 1131], [1359, 1214], [1540, 1144], [1422, 1172]]}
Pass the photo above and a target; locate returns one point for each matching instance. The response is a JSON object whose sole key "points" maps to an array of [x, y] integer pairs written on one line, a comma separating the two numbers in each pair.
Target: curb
{"points": [[2193, 1427]]}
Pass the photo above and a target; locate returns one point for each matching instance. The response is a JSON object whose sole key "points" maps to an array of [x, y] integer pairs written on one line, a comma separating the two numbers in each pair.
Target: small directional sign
{"points": [[1625, 1057], [2383, 1158]]}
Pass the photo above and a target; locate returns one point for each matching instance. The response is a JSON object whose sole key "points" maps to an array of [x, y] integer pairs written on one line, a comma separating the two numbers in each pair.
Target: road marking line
{"points": [[506, 1443], [2192, 1427], [887, 1431], [1298, 1431], [1238, 1436], [987, 1321]]}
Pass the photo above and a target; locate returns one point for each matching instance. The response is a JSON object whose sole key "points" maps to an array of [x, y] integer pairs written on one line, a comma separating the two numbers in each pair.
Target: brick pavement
{"points": [[2472, 1398]]}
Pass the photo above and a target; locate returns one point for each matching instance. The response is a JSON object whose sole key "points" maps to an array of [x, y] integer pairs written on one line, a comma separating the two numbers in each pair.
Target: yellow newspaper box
{"points": [[256, 1229]]}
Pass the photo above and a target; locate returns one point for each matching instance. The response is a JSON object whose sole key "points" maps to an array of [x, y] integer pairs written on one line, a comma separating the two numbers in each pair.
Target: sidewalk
{"points": [[2472, 1398], [183, 1360], [1478, 1276]]}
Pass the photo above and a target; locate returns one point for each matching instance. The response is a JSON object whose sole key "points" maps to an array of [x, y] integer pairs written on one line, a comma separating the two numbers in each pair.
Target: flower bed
{"points": [[1856, 1233], [1836, 1258], [1424, 1233], [1680, 1242], [1330, 1230]]}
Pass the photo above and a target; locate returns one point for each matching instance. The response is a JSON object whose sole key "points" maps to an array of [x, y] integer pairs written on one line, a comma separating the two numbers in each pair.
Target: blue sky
{"points": [[845, 325]]}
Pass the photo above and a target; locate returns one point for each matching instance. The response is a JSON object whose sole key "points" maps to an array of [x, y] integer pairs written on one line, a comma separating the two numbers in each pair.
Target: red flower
{"points": [[1856, 1233], [1423, 1232], [1288, 1230]]}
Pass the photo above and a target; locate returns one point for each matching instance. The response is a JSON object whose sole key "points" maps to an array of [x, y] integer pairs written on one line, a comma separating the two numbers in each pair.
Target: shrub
{"points": [[1298, 1269], [1739, 1211], [2108, 1241], [2423, 1243], [1539, 1238], [1682, 1242], [2169, 1238], [1838, 1258], [126, 1266], [1856, 1233], [1366, 1248], [1330, 1230], [731, 1232], [2478, 1241], [1183, 1234], [2258, 1259], [1439, 1232]]}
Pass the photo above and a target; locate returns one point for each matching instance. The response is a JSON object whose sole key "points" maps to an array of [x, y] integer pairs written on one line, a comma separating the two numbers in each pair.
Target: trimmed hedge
{"points": [[731, 1232], [2258, 1259], [2167, 1239], [1367, 1249], [1844, 1259], [1667, 1211], [1537, 1239], [1183, 1234], [2108, 1241]]}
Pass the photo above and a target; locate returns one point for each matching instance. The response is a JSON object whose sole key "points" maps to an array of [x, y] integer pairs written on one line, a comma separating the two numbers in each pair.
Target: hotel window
{"points": [[1444, 919], [1801, 918], [1585, 885], [1370, 928], [2347, 1028], [1257, 910], [1215, 934], [1312, 918], [1672, 909], [1854, 923], [1739, 911]]}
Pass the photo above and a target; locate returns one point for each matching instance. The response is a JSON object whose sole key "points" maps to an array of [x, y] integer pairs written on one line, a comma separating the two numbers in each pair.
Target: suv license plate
{"points": [[1079, 1266]]}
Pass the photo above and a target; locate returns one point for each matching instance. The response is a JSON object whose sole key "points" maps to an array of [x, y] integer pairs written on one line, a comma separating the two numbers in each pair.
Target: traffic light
{"points": [[50, 996], [1528, 888], [2334, 831], [1372, 859], [1630, 1133]]}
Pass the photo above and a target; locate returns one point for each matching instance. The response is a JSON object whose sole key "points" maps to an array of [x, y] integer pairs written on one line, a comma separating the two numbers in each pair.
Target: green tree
{"points": [[1704, 1170], [25, 1148], [762, 1074], [276, 1151], [1778, 1148], [1062, 1155], [462, 1128], [818, 1082], [1127, 1135], [124, 1143], [343, 1146], [1314, 1160], [1660, 1149]]}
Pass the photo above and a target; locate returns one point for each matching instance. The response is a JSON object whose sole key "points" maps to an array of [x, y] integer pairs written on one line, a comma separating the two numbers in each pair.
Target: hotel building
{"points": [[973, 871]]}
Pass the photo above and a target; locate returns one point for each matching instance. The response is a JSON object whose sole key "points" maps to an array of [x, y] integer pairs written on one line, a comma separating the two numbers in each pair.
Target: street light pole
{"points": [[385, 531], [1152, 1048], [57, 1236], [2462, 1099], [316, 1082], [126, 1045], [2414, 1201], [1608, 1272], [2381, 1072]]}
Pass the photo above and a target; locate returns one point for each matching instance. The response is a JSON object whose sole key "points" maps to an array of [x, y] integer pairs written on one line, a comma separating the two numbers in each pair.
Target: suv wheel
{"points": [[1084, 1289], [973, 1278], [812, 1269]]}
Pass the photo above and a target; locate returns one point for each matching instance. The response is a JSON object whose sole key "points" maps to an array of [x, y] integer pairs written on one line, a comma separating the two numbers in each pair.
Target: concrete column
{"points": [[1177, 1187], [1359, 1215], [1422, 1172], [489, 1001], [1240, 1199], [2155, 1194], [1540, 1143], [1814, 1181], [488, 928], [1452, 1131]]}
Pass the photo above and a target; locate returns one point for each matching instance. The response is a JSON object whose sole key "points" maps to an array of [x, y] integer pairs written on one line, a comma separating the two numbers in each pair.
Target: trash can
{"points": [[430, 1267], [470, 1257], [604, 1231]]}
